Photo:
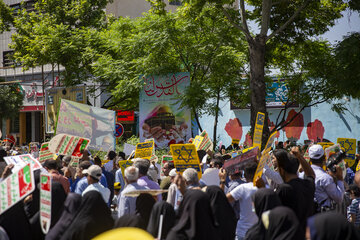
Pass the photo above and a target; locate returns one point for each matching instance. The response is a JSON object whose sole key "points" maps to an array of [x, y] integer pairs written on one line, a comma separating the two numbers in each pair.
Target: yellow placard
{"points": [[264, 157], [325, 144], [259, 125], [144, 150], [235, 141], [185, 156], [197, 141], [358, 167], [124, 164], [349, 146]]}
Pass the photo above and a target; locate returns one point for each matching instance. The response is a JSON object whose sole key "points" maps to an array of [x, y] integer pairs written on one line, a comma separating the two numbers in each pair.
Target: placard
{"points": [[235, 141], [45, 153], [234, 165], [264, 157], [45, 202], [349, 146], [128, 148], [184, 157], [206, 143], [259, 125], [20, 161], [124, 164], [16, 187], [66, 144], [144, 150], [197, 141]]}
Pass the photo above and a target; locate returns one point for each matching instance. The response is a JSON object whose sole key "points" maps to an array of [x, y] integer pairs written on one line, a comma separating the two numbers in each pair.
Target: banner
{"points": [[45, 202], [54, 96], [197, 141], [144, 150], [16, 187], [259, 125], [349, 146], [45, 153], [124, 164], [94, 123], [21, 161], [66, 144], [234, 165], [160, 114], [185, 156], [206, 143], [264, 157]]}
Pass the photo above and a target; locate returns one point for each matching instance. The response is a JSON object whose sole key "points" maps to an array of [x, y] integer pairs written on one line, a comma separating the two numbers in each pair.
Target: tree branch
{"points": [[245, 31], [290, 20], [265, 16]]}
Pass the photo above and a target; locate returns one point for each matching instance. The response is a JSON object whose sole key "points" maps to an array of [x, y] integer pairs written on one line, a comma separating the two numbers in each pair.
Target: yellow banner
{"points": [[197, 141], [349, 146], [264, 157], [259, 125], [144, 150], [124, 164], [185, 156]]}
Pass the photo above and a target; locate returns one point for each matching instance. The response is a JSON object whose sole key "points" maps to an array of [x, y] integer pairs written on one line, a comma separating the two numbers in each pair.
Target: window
{"points": [[175, 2], [27, 5]]}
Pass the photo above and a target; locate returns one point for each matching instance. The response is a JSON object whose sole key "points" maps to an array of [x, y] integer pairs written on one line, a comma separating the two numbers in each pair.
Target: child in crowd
{"points": [[353, 212]]}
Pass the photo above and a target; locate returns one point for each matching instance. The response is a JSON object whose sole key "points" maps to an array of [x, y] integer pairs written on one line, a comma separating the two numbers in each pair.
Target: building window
{"points": [[7, 59], [27, 5], [175, 2]]}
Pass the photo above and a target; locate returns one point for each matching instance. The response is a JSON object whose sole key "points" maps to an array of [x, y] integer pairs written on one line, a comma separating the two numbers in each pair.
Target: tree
{"points": [[281, 25], [184, 41], [11, 99], [6, 17]]}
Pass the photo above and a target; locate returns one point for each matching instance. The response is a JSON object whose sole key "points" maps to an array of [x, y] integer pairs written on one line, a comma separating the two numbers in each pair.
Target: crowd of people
{"points": [[294, 199]]}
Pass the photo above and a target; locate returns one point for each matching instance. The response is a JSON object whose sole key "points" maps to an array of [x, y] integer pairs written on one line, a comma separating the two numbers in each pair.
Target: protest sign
{"points": [[165, 159], [234, 165], [259, 125], [197, 141], [45, 153], [331, 150], [144, 150], [235, 141], [206, 143], [264, 157], [128, 148], [92, 123], [74, 162], [16, 187], [66, 144], [185, 156], [349, 146], [20, 161], [124, 164], [325, 144], [45, 202], [160, 113], [358, 167]]}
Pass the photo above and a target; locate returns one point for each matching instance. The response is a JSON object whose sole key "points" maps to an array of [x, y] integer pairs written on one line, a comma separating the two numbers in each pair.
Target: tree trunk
{"points": [[216, 117], [257, 84]]}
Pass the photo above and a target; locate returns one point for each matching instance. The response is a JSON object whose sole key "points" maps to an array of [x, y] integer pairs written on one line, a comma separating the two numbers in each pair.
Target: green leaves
{"points": [[11, 99]]}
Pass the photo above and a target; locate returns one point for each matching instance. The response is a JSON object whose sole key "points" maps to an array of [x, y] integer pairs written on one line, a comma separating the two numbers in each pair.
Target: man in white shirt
{"points": [[109, 166], [243, 193], [93, 175]]}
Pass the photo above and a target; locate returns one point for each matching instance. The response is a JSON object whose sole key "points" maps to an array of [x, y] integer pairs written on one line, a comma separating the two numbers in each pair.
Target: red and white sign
{"points": [[45, 202], [16, 187], [68, 145], [45, 153], [20, 161]]}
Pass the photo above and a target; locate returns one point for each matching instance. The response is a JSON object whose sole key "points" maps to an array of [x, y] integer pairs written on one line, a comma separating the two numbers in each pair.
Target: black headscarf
{"points": [[144, 205], [195, 218], [71, 205], [224, 216], [283, 224], [128, 221], [165, 209], [93, 218], [58, 197], [15, 222], [331, 225], [264, 200]]}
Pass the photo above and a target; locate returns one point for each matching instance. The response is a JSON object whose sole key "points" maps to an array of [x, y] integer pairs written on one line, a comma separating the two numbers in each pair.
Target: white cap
{"points": [[172, 172], [316, 151], [94, 171]]}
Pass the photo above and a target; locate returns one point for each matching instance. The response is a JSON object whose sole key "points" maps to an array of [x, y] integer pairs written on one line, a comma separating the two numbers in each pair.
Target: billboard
{"points": [[160, 115], [53, 97]]}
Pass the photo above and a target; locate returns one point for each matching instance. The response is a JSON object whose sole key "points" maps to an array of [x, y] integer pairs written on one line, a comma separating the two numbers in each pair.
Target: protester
{"points": [[235, 180], [119, 178], [82, 183], [93, 218], [110, 165], [195, 218], [167, 212], [166, 181], [353, 213], [243, 193], [264, 200], [52, 168], [68, 170], [71, 205], [2, 161], [191, 178], [330, 226], [327, 191], [127, 205], [224, 216], [143, 166], [93, 175], [109, 178], [144, 205], [281, 223], [171, 194]]}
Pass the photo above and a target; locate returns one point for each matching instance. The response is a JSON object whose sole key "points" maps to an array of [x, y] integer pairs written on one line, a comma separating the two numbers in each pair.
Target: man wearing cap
{"points": [[171, 196], [329, 187], [93, 175]]}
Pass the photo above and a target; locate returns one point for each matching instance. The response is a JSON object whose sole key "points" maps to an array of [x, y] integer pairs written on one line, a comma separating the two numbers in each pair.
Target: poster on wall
{"points": [[93, 123], [161, 116]]}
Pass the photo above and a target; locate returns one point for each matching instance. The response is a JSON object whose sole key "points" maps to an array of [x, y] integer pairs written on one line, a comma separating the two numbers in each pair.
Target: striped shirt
{"points": [[354, 208]]}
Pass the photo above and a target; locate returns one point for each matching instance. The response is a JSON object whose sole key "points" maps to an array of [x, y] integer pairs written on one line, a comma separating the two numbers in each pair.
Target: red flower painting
{"points": [[272, 126], [234, 128], [295, 127], [315, 130]]}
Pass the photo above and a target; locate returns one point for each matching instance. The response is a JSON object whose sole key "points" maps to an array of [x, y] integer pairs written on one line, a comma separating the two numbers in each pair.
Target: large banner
{"points": [[94, 123], [160, 114]]}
